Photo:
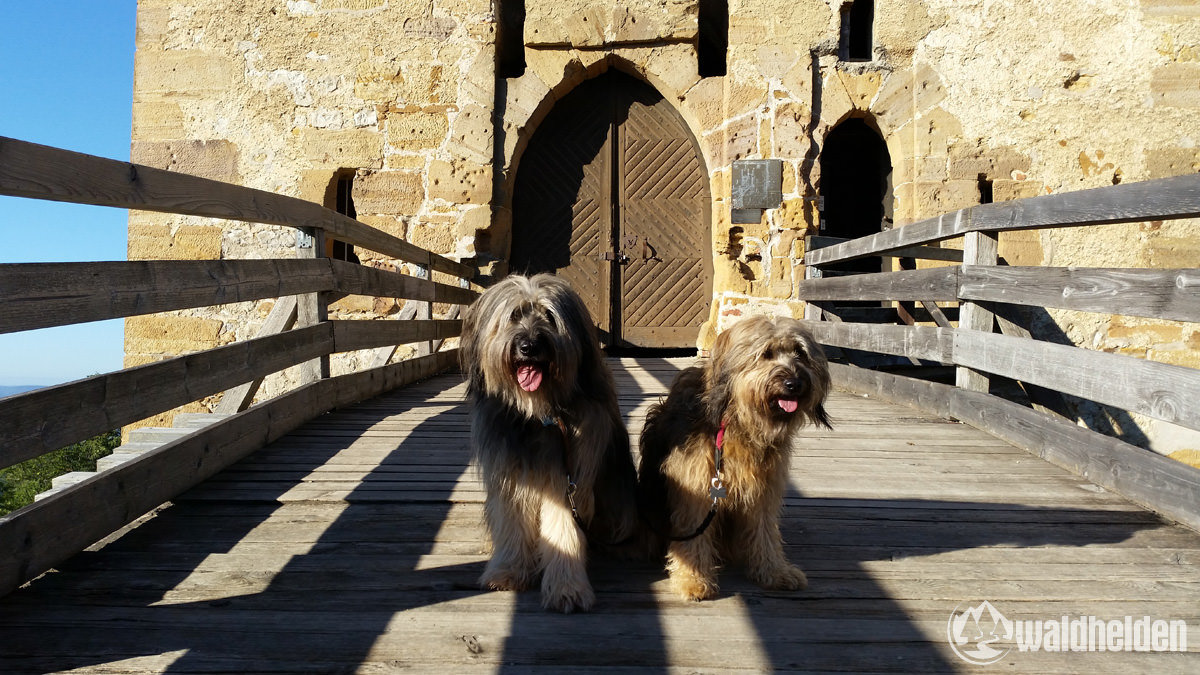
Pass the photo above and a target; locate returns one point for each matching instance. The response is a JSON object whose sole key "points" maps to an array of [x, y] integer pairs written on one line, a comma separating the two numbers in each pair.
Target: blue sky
{"points": [[66, 77]]}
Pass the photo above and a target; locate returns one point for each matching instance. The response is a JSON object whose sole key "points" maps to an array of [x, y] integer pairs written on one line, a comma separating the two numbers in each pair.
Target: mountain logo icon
{"points": [[979, 634]]}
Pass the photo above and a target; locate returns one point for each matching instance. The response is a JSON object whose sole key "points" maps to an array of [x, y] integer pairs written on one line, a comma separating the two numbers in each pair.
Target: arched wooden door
{"points": [[612, 194]]}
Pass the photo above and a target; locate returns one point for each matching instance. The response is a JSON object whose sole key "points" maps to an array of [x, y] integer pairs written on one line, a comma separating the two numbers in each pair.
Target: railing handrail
{"points": [[1158, 199], [42, 172], [40, 295], [988, 295]]}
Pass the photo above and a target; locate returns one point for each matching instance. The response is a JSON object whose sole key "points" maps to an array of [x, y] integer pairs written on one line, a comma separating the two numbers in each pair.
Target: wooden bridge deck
{"points": [[354, 543]]}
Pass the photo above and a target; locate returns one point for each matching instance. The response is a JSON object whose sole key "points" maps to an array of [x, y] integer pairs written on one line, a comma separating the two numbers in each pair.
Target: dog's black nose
{"points": [[527, 347], [794, 385]]}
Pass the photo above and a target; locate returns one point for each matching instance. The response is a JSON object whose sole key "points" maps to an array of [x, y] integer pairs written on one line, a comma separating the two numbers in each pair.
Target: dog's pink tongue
{"points": [[788, 405], [529, 377]]}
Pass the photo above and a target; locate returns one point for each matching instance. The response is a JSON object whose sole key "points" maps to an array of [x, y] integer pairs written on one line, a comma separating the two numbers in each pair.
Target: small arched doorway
{"points": [[856, 187], [612, 195]]}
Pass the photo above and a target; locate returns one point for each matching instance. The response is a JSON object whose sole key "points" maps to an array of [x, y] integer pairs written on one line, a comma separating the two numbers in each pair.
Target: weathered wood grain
{"points": [[42, 172], [1156, 482], [932, 284], [359, 280], [1158, 294], [42, 535], [41, 295], [979, 249], [1163, 391], [916, 342], [814, 242], [1160, 199], [352, 335]]}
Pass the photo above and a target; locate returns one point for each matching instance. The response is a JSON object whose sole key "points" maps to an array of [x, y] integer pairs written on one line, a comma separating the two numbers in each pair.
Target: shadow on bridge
{"points": [[231, 579]]}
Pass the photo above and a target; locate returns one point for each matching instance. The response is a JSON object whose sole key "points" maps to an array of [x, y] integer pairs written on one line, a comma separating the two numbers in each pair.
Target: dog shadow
{"points": [[391, 581]]}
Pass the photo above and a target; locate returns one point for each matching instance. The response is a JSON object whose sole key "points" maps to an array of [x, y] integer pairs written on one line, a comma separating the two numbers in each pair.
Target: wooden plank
{"points": [[813, 242], [281, 318], [42, 535], [47, 419], [352, 335], [1158, 483], [979, 249], [359, 280], [312, 309], [917, 342], [1163, 391], [1160, 199], [43, 172], [933, 284], [41, 295], [1159, 294]]}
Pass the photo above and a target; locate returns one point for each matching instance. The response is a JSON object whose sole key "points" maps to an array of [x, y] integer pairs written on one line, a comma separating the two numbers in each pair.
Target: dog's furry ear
{"points": [[576, 322], [819, 416], [469, 358], [718, 384]]}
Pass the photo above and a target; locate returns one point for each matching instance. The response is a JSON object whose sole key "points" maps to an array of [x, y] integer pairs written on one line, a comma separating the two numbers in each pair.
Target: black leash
{"points": [[716, 491]]}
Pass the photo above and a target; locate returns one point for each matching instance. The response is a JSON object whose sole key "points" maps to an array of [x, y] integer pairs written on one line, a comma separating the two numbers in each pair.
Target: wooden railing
{"points": [[984, 296], [298, 332]]}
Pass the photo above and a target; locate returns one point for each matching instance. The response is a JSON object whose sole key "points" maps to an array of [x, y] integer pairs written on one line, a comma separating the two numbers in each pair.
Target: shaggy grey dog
{"points": [[547, 435]]}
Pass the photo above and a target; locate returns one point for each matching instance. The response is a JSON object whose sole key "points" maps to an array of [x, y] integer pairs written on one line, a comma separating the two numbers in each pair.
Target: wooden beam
{"points": [[979, 249], [1158, 483], [43, 172], [352, 335], [359, 280], [915, 342], [932, 284], [281, 318], [42, 535], [1158, 294], [814, 242], [41, 295], [1160, 199], [1160, 390], [47, 419]]}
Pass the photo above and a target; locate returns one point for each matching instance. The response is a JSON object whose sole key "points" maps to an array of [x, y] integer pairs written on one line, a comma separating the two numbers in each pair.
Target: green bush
{"points": [[19, 483]]}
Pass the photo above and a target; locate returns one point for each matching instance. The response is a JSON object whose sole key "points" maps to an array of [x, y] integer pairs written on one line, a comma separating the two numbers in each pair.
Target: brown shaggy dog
{"points": [[545, 416], [764, 380]]}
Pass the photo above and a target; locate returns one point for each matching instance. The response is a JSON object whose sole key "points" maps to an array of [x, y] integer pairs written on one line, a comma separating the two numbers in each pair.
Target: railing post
{"points": [[311, 308], [979, 248], [424, 311]]}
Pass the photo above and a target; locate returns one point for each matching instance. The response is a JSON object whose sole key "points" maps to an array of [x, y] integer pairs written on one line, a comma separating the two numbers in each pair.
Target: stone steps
{"points": [[140, 442]]}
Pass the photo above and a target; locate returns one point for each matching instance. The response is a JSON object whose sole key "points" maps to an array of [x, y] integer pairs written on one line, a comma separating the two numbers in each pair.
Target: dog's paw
{"points": [[783, 578], [694, 588], [505, 579], [568, 598]]}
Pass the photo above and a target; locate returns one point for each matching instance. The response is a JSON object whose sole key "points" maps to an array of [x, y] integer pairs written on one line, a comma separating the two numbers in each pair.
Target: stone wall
{"points": [[1033, 98]]}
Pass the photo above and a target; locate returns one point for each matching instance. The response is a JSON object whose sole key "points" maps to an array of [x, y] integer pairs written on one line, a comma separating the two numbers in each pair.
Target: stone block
{"points": [[217, 160], [157, 121], [1175, 161], [741, 139], [184, 72], [162, 334], [417, 131], [792, 120], [438, 237], [1007, 190], [798, 214], [186, 242], [346, 148], [388, 192], [460, 182], [472, 135], [1176, 85]]}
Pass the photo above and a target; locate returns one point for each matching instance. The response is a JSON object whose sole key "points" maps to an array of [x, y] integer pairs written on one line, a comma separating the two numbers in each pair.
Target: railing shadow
{"points": [[251, 585]]}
